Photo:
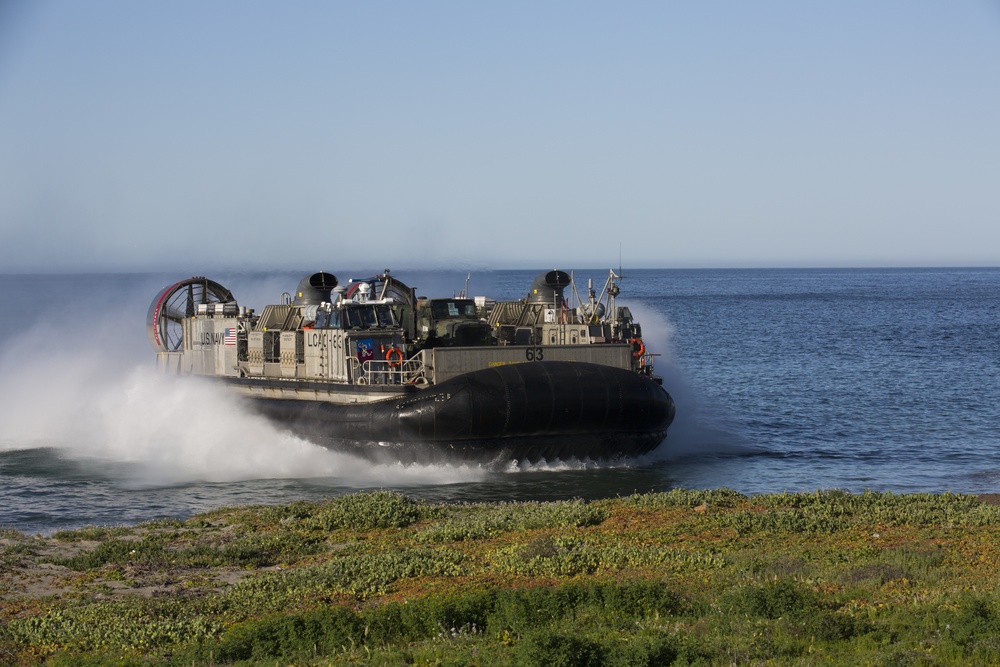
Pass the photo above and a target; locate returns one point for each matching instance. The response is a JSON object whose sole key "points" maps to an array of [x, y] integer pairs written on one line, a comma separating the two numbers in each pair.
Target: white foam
{"points": [[166, 431], [559, 465]]}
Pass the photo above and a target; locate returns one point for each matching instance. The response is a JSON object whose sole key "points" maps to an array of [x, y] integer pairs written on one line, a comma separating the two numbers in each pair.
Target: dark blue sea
{"points": [[785, 380]]}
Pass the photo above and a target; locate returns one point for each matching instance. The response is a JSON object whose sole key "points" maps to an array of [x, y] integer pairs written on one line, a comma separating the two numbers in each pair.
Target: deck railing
{"points": [[380, 371]]}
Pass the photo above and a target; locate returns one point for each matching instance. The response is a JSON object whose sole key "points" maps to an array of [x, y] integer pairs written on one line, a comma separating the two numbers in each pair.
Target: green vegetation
{"points": [[684, 578]]}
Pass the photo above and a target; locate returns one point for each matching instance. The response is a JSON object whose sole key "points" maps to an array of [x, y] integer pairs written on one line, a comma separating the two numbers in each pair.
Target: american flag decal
{"points": [[230, 336]]}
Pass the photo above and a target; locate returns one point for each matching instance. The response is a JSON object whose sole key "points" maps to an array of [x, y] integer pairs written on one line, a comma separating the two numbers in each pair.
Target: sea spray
{"points": [[158, 430], [701, 426]]}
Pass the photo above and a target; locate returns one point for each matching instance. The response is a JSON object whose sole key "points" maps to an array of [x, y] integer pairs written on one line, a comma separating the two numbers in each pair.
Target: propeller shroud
{"points": [[176, 302]]}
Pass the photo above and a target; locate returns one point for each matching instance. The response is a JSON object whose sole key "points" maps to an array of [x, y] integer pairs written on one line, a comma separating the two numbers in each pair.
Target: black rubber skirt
{"points": [[551, 410]]}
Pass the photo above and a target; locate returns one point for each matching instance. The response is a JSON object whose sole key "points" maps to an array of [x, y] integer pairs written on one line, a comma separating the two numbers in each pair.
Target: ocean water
{"points": [[785, 380]]}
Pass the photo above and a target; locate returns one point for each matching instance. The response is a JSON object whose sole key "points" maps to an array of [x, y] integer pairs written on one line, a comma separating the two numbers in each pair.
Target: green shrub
{"points": [[723, 497], [359, 574], [519, 611], [637, 599], [773, 599], [102, 660], [115, 552], [434, 617], [315, 632], [642, 651], [834, 626], [550, 649], [898, 563], [252, 551], [976, 626], [13, 554], [548, 556], [537, 619], [165, 522], [92, 533], [889, 509], [294, 511], [618, 556], [487, 521], [748, 522], [365, 511], [255, 550], [132, 624]]}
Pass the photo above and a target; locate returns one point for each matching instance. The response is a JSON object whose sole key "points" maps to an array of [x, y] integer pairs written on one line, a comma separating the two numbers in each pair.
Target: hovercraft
{"points": [[369, 368]]}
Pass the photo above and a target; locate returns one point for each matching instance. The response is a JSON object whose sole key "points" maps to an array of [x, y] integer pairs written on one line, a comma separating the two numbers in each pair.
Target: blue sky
{"points": [[220, 135]]}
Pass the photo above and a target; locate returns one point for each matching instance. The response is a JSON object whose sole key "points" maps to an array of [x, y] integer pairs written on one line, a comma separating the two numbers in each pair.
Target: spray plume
{"points": [[700, 427], [92, 406]]}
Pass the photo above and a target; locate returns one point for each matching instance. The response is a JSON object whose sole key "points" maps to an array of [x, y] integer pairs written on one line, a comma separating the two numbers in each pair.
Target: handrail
{"points": [[380, 371]]}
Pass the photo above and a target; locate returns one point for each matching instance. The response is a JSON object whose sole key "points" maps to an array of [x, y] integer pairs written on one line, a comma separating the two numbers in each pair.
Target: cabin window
{"points": [[328, 319], [365, 317], [385, 318], [448, 309]]}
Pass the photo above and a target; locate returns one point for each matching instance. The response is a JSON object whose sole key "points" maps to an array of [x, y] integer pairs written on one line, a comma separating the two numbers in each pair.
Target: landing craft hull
{"points": [[530, 411], [370, 368]]}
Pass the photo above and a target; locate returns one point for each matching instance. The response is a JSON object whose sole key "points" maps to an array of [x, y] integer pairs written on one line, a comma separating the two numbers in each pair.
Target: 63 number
{"points": [[533, 354]]}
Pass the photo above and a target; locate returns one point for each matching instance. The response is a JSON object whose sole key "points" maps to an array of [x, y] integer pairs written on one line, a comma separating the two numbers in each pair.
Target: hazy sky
{"points": [[227, 134]]}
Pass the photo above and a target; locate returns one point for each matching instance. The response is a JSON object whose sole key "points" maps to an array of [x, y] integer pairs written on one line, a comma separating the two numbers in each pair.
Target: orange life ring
{"points": [[638, 348], [394, 357]]}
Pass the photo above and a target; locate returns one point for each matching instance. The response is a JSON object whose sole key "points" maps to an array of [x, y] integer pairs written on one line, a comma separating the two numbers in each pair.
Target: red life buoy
{"points": [[394, 356], [638, 348]]}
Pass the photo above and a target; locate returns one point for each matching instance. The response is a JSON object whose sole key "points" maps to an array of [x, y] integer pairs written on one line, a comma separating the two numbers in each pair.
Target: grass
{"points": [[685, 578]]}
